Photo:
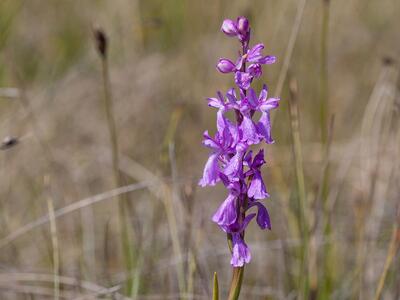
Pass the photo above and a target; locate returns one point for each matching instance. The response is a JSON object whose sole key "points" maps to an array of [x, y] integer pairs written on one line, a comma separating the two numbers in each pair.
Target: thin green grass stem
{"points": [[303, 215], [324, 72], [54, 244]]}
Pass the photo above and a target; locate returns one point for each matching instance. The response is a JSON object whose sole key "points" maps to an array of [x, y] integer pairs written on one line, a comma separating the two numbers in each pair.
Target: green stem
{"points": [[236, 283], [303, 210], [54, 242], [324, 98], [324, 72], [328, 259]]}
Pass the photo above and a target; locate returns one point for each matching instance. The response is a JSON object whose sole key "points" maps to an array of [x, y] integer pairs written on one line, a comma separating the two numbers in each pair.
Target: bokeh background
{"points": [[61, 235]]}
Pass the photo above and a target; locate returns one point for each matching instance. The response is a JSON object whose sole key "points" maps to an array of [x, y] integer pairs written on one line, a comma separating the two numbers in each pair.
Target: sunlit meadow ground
{"points": [[162, 67]]}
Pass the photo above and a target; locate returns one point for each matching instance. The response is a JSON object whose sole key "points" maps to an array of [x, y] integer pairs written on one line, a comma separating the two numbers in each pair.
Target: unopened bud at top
{"points": [[229, 27], [239, 28], [243, 25]]}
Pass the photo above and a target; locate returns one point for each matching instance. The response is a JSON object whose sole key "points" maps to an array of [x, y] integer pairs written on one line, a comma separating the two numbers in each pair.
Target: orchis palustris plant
{"points": [[231, 160]]}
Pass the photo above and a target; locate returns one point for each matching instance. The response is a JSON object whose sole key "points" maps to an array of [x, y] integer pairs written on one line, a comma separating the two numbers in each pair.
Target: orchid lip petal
{"points": [[263, 94], [240, 251], [264, 127], [243, 80], [267, 60], [211, 170], [226, 213], [257, 188], [254, 53]]}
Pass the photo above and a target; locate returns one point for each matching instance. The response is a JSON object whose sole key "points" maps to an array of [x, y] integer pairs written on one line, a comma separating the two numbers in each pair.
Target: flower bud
{"points": [[242, 25], [225, 66], [229, 27], [255, 70]]}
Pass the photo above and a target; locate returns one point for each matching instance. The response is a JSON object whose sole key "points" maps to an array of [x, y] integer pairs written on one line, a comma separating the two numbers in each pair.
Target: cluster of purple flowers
{"points": [[231, 160]]}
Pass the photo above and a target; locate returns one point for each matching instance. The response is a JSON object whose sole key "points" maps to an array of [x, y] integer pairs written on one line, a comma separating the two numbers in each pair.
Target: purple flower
{"points": [[254, 56], [263, 219], [264, 105], [257, 188], [240, 251], [237, 226], [262, 102], [249, 130], [255, 70], [244, 76], [226, 66], [243, 25], [226, 213], [229, 27], [210, 174], [234, 166], [219, 102], [231, 160], [264, 128], [239, 28], [243, 80]]}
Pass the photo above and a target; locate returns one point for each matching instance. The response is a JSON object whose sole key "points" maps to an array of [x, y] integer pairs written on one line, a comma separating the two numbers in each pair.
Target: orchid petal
{"points": [[226, 213], [257, 188], [267, 60], [264, 128], [243, 80], [240, 252], [263, 219], [211, 171]]}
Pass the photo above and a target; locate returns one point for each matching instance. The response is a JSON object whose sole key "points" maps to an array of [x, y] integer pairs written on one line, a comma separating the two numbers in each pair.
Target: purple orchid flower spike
{"points": [[231, 159]]}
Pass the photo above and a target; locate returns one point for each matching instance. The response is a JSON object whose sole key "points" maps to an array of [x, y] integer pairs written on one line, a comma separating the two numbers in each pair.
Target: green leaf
{"points": [[215, 289]]}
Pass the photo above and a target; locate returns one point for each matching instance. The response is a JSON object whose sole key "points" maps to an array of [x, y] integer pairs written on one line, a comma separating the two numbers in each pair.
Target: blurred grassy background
{"points": [[162, 56]]}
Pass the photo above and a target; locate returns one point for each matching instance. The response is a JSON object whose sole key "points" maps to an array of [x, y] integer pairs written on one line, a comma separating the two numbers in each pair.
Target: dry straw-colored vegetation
{"points": [[77, 223]]}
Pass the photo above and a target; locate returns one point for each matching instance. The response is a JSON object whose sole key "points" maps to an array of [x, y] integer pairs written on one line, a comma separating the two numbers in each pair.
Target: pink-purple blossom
{"points": [[231, 158], [245, 75]]}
